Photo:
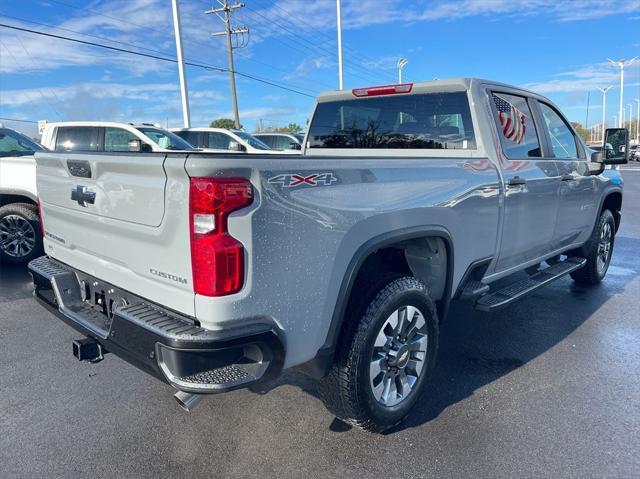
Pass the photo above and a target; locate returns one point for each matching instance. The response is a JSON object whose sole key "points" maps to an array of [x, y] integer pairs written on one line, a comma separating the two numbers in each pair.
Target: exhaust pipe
{"points": [[188, 401]]}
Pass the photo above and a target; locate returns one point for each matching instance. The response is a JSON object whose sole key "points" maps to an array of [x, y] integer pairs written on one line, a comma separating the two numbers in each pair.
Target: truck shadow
{"points": [[478, 348]]}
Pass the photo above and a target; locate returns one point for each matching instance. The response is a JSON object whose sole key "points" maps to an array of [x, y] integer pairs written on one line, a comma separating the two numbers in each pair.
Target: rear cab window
{"points": [[78, 138], [429, 121], [516, 127]]}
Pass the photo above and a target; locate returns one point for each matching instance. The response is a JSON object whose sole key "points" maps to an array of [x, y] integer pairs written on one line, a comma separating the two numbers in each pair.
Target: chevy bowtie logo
{"points": [[83, 196]]}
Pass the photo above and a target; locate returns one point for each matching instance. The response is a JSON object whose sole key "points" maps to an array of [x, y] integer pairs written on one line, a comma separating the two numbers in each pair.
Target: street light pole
{"points": [[340, 83], [604, 107], [630, 105], [402, 62], [186, 119], [638, 122], [621, 63]]}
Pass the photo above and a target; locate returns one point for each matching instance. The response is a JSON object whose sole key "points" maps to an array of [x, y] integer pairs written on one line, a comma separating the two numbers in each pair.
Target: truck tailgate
{"points": [[105, 214]]}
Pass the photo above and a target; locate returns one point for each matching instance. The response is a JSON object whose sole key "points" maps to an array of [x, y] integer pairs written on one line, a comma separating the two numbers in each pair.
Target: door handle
{"points": [[567, 177], [516, 181]]}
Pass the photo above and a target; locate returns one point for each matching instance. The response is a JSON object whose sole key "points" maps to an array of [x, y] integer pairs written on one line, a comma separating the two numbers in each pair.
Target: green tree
{"points": [[290, 128], [584, 134], [223, 123]]}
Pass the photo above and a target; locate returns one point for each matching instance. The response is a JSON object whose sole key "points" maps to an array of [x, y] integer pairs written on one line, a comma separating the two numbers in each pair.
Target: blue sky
{"points": [[556, 47]]}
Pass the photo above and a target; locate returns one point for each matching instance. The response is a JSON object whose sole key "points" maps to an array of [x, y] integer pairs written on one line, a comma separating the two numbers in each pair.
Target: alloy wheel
{"points": [[399, 356]]}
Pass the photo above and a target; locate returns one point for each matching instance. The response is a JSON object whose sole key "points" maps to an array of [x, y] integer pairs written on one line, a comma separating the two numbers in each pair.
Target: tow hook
{"points": [[88, 349]]}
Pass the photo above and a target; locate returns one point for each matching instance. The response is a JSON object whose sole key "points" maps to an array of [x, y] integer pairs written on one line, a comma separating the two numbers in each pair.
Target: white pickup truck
{"points": [[20, 232]]}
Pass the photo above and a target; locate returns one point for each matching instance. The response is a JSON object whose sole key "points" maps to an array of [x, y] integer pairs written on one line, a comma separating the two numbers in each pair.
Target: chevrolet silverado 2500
{"points": [[212, 272]]}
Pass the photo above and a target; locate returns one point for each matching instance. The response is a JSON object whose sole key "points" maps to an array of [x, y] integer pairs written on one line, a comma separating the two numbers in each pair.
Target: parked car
{"points": [[212, 274], [221, 140], [106, 136], [20, 232], [634, 153], [281, 141]]}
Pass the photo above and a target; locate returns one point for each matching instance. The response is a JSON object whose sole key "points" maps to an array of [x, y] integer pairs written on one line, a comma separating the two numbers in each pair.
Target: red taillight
{"points": [[217, 258], [383, 90], [40, 216]]}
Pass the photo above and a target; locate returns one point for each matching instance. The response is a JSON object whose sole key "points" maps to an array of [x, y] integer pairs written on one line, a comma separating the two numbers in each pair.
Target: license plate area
{"points": [[89, 301]]}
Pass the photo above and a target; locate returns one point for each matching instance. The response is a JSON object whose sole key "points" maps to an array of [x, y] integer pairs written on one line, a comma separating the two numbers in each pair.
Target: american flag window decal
{"points": [[512, 120]]}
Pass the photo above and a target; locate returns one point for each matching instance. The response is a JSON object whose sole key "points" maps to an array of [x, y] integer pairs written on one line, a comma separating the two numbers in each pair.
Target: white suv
{"points": [[282, 141], [108, 136], [221, 140]]}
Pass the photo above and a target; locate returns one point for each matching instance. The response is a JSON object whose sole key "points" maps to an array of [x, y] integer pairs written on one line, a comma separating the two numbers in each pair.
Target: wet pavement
{"points": [[549, 387]]}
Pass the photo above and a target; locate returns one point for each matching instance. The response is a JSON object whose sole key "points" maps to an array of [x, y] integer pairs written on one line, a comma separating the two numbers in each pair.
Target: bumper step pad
{"points": [[510, 293]]}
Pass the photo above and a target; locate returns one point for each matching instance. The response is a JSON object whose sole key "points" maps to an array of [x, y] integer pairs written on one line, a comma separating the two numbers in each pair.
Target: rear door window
{"points": [[219, 141], [117, 139], [191, 137], [516, 128], [420, 121], [77, 138], [284, 143], [267, 140], [563, 141]]}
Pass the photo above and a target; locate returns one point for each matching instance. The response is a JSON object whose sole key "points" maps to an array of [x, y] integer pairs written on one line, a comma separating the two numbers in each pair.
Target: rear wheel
{"points": [[598, 251], [20, 234], [385, 359]]}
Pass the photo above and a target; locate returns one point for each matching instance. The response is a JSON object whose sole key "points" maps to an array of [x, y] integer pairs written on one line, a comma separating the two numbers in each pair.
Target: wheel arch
{"points": [[8, 197], [320, 364], [612, 201]]}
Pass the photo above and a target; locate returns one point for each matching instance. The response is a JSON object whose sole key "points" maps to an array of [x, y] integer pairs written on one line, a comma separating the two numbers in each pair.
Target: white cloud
{"points": [[586, 78]]}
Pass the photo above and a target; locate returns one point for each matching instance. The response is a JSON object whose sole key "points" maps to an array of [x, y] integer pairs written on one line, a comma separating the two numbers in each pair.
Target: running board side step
{"points": [[507, 295]]}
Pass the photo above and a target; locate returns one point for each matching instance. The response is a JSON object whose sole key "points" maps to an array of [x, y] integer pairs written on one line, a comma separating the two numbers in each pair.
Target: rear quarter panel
{"points": [[300, 239]]}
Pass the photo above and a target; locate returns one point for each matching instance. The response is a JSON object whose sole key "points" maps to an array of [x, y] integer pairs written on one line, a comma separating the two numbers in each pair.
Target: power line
{"points": [[304, 22], [133, 45], [295, 46], [28, 95], [366, 70], [17, 120], [156, 57]]}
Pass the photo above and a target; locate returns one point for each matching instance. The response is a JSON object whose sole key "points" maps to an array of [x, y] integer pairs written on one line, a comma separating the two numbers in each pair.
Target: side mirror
{"points": [[295, 146], [135, 146], [235, 146], [615, 150]]}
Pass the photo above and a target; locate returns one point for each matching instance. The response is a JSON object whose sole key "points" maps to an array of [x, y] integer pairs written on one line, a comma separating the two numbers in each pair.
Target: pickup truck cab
{"points": [[110, 137], [221, 140], [213, 271], [20, 233]]}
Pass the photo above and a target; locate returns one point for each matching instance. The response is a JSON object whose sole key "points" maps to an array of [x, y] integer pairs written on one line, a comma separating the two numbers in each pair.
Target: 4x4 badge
{"points": [[298, 179]]}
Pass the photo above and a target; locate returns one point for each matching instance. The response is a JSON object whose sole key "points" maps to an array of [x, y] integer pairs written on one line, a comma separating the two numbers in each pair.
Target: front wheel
{"points": [[20, 233], [384, 361], [598, 251]]}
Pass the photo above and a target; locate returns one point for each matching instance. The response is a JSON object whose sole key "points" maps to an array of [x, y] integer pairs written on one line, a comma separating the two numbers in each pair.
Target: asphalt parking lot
{"points": [[547, 388]]}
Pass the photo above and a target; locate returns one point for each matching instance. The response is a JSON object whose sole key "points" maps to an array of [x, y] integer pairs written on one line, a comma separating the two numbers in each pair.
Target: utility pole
{"points": [[339, 15], [604, 107], [224, 14], [621, 63], [630, 105], [186, 119]]}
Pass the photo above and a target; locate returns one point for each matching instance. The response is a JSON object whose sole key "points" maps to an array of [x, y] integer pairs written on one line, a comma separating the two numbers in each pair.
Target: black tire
{"points": [[32, 231], [593, 272], [347, 391]]}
